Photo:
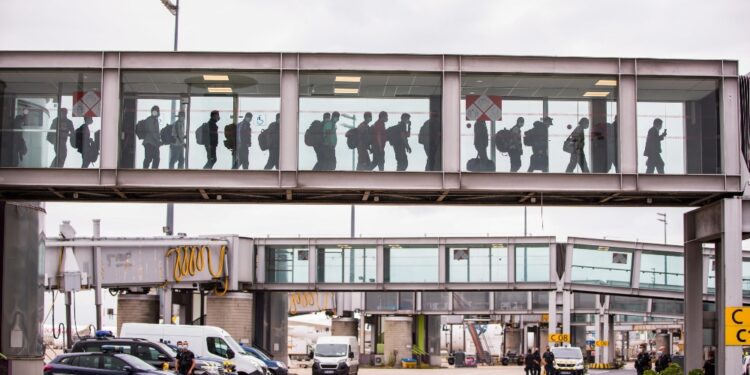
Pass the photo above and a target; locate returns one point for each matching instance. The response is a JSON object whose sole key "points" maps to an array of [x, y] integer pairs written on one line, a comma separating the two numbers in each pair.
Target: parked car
{"points": [[99, 363], [569, 360], [276, 367], [153, 353]]}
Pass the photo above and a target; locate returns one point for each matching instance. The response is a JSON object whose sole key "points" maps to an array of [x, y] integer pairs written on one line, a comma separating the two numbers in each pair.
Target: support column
{"points": [[110, 132], [233, 312], [598, 334], [344, 327], [434, 330], [397, 336], [567, 306], [728, 282], [165, 304], [452, 122], [21, 250], [627, 137], [693, 333], [609, 335], [288, 129], [552, 312]]}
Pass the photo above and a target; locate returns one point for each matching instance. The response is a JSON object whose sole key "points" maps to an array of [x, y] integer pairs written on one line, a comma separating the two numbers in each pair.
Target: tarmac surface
{"points": [[485, 370]]}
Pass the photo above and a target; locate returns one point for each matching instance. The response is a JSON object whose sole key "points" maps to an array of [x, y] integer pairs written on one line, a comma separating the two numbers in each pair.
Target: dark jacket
{"points": [[653, 143], [481, 136], [213, 134], [151, 136]]}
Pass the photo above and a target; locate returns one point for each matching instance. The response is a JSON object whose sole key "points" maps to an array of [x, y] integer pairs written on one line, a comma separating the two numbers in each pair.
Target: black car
{"points": [[155, 354], [99, 364]]}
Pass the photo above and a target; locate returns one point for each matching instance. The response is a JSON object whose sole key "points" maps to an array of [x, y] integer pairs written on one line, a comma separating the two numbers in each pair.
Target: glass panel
{"points": [[746, 278], [539, 300], [532, 263], [435, 301], [346, 265], [43, 115], [478, 264], [287, 265], [662, 271], [370, 121], [511, 301], [711, 276], [601, 265], [630, 304], [381, 301], [471, 301], [411, 264], [678, 126], [199, 119], [666, 307], [584, 301], [521, 123], [405, 300]]}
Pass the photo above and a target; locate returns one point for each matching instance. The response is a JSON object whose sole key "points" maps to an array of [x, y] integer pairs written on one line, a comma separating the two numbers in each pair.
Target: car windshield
{"points": [[330, 350], [567, 353], [167, 349], [135, 362], [259, 354]]}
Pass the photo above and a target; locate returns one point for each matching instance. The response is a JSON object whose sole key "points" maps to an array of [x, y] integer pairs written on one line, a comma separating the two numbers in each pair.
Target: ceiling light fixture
{"points": [[215, 77], [348, 79], [595, 94], [606, 82], [342, 90], [220, 90]]}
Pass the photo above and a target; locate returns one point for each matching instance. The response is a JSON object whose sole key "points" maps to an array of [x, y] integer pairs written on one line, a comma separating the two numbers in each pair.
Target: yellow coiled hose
{"points": [[189, 260]]}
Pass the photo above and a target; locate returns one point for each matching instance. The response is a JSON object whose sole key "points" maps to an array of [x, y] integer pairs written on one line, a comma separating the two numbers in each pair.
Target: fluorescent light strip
{"points": [[341, 90], [215, 77], [220, 90], [348, 79], [606, 82], [595, 94]]}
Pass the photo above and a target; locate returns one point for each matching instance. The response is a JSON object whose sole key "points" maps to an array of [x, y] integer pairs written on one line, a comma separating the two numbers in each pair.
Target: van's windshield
{"points": [[567, 353], [331, 350], [234, 345]]}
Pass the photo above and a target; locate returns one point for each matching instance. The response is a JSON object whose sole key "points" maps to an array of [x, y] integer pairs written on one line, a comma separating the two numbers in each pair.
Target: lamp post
{"points": [[175, 10], [663, 219]]}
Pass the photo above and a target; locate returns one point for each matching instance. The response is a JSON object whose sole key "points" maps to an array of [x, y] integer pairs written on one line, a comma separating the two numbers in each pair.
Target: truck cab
{"points": [[336, 355]]}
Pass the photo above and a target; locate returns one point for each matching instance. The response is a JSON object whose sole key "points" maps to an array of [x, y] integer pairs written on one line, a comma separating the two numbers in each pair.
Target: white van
{"points": [[204, 341], [336, 355]]}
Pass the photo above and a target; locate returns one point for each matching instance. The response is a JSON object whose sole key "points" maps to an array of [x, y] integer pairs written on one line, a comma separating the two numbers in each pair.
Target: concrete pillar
{"points": [[233, 313], [434, 330], [598, 334], [344, 327], [165, 304], [22, 295], [567, 307], [137, 308], [693, 333], [270, 322], [397, 336], [609, 336], [512, 338]]}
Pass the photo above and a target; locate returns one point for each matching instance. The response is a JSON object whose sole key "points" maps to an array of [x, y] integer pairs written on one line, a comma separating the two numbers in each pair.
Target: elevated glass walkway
{"points": [[347, 128]]}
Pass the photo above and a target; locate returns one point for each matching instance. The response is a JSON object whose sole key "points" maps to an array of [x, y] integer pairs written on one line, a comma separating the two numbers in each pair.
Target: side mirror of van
{"points": [[351, 355], [230, 353], [128, 369]]}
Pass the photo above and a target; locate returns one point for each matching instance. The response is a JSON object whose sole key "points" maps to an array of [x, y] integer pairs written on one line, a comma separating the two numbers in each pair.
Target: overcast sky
{"points": [[700, 29]]}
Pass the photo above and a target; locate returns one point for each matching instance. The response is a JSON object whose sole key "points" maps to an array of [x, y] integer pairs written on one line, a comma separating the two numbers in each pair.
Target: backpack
{"points": [[352, 138], [480, 165], [230, 136], [263, 140], [314, 134], [140, 129], [167, 135], [200, 134], [569, 145], [424, 134], [79, 143], [529, 137], [504, 140], [393, 135]]}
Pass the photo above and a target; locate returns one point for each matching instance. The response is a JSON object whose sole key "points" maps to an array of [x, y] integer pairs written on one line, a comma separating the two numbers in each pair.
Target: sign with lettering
{"points": [[737, 326], [559, 337]]}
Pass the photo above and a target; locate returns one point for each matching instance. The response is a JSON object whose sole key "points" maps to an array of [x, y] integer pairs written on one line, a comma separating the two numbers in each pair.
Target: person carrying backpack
{"points": [[273, 144], [314, 138], [377, 141], [663, 359], [574, 144], [538, 138], [329, 142], [430, 135], [515, 148], [243, 138], [643, 360], [177, 142], [211, 139], [61, 129], [398, 136], [84, 144], [363, 143], [149, 130]]}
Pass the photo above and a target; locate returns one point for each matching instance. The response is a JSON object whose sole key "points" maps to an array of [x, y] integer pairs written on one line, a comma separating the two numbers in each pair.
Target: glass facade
{"points": [[471, 301], [381, 301], [584, 300], [512, 301], [478, 263], [346, 264], [532, 263], [662, 271], [628, 304], [50, 119], [539, 300], [199, 120], [678, 126], [411, 264], [368, 121], [287, 264], [601, 265], [436, 301], [667, 307], [516, 123]]}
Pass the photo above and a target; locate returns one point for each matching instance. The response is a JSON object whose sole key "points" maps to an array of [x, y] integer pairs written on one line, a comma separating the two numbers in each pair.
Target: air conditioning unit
{"points": [[379, 360]]}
